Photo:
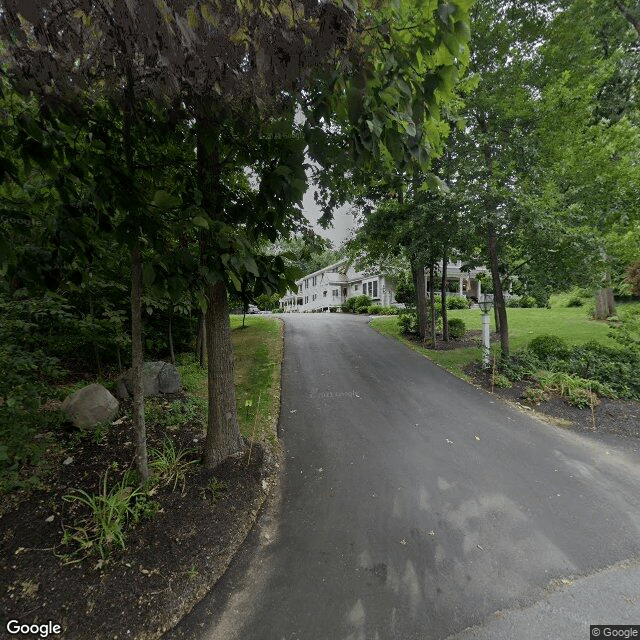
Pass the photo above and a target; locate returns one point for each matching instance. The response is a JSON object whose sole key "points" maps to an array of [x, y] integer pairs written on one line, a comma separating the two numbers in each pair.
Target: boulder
{"points": [[157, 378], [90, 405], [121, 390]]}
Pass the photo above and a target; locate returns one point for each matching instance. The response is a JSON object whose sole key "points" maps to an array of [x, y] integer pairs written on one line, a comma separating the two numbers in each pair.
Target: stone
{"points": [[157, 378], [121, 390], [90, 405]]}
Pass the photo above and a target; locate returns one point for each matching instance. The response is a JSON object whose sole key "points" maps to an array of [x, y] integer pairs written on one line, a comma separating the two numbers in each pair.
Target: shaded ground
{"points": [[171, 560]]}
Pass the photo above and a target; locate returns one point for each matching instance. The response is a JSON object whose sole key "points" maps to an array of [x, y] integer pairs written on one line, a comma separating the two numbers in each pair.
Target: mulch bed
{"points": [[171, 560], [618, 417]]}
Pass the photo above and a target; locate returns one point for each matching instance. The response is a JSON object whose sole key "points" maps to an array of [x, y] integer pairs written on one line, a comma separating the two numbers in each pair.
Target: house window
{"points": [[324, 293], [306, 283], [369, 288], [356, 286], [306, 299], [315, 280], [335, 293], [375, 288]]}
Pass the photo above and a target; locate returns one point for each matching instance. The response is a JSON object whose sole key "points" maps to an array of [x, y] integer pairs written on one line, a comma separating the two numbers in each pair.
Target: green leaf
{"points": [[201, 222], [235, 281], [164, 200], [251, 266], [148, 274]]}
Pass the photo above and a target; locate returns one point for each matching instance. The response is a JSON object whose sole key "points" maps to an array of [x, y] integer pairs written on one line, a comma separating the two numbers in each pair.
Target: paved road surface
{"points": [[415, 506]]}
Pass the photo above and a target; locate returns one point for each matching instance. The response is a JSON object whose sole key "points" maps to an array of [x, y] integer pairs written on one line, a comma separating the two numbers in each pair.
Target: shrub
{"points": [[547, 347], [500, 380], [408, 322], [457, 302], [616, 368], [523, 364], [527, 302], [353, 305], [514, 302], [575, 301], [375, 309], [535, 395], [457, 328], [578, 391]]}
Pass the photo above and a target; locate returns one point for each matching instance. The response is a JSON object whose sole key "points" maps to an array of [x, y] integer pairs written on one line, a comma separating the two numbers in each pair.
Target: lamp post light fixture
{"points": [[485, 306]]}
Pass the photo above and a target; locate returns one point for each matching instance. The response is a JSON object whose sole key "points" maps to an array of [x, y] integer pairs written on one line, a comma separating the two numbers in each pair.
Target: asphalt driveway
{"points": [[414, 505]]}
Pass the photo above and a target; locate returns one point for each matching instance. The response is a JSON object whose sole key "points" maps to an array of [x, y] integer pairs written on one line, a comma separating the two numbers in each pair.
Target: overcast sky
{"points": [[343, 222]]}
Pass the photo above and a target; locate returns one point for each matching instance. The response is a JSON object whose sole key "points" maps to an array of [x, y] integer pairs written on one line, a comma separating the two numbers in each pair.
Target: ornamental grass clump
{"points": [[104, 527]]}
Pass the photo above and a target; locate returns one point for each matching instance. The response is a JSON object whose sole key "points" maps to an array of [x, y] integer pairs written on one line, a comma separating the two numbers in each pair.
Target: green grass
{"points": [[258, 359], [570, 323], [454, 360]]}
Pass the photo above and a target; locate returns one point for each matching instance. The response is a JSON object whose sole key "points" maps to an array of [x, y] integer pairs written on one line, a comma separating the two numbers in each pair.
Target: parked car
{"points": [[253, 309]]}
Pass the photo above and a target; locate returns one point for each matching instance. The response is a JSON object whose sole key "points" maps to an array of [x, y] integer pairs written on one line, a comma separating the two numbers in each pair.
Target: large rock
{"points": [[90, 405], [157, 378]]}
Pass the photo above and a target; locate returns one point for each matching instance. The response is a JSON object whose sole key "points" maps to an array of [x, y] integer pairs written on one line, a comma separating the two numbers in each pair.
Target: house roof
{"points": [[323, 270]]}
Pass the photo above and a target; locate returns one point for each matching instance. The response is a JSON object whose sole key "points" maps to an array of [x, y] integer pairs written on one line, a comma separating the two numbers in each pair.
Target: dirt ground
{"points": [[171, 560], [618, 417]]}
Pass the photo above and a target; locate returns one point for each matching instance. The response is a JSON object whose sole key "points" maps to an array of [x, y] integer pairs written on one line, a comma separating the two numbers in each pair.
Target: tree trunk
{"points": [[171, 353], [498, 298], [136, 362], [605, 304], [223, 433], [443, 297], [421, 301], [201, 339], [432, 304]]}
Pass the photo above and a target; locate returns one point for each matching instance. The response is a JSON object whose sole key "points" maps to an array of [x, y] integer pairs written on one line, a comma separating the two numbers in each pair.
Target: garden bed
{"points": [[171, 558], [612, 416]]}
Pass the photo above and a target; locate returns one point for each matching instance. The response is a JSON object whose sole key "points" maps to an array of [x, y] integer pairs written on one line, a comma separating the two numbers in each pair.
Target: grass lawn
{"points": [[570, 323], [258, 359]]}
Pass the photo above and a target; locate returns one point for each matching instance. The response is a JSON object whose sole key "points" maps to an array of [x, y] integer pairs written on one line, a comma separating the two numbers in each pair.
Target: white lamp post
{"points": [[485, 305]]}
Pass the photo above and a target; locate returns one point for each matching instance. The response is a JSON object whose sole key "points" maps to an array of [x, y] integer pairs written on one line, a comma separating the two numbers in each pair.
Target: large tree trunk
{"points": [[136, 362], [605, 304], [223, 433], [498, 297], [421, 301], [136, 292], [432, 304], [443, 297]]}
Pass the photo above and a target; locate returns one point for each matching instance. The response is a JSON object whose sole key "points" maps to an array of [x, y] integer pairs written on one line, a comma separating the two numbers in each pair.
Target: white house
{"points": [[328, 288]]}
